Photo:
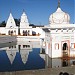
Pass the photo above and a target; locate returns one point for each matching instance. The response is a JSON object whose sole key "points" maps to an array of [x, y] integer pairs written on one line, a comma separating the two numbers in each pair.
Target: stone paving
{"points": [[49, 71]]}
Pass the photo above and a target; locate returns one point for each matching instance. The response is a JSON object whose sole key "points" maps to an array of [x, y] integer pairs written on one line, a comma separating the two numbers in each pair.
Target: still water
{"points": [[21, 55]]}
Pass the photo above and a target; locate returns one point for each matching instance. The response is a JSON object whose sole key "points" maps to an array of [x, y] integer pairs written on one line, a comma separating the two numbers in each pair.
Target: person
{"points": [[61, 73], [65, 73]]}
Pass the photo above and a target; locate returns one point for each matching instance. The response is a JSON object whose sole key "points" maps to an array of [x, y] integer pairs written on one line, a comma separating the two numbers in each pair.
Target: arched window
{"points": [[9, 32], [65, 46], [23, 32], [12, 32], [56, 46], [72, 45], [28, 32]]}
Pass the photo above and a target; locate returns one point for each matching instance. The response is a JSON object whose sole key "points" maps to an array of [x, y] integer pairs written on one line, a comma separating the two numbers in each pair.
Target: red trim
{"points": [[68, 42], [56, 44], [74, 45]]}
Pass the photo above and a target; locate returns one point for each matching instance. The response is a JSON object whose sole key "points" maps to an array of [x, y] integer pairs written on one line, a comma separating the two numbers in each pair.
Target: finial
{"points": [[58, 3]]}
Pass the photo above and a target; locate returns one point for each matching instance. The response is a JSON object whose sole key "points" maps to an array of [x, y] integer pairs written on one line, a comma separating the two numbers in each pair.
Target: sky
{"points": [[37, 11]]}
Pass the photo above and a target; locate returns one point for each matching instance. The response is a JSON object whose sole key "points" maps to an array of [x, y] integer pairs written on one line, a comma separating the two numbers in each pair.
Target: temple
{"points": [[57, 38]]}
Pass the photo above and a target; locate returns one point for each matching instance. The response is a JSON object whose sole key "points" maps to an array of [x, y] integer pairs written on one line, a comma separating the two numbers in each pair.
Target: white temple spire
{"points": [[24, 21], [10, 22]]}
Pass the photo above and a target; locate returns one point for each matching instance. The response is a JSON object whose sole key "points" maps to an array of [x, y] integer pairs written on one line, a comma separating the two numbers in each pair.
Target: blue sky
{"points": [[38, 11]]}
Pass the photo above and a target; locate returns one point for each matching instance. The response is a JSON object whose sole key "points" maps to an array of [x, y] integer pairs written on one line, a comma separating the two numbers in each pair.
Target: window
{"points": [[15, 46], [56, 46], [72, 45], [9, 32], [65, 46], [24, 46], [61, 30], [28, 45], [12, 46]]}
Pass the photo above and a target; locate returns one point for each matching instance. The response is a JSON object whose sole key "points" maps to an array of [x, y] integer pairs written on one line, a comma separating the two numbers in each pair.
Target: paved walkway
{"points": [[53, 71]]}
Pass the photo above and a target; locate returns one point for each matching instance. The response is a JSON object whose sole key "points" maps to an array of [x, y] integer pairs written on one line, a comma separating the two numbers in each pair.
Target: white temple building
{"points": [[61, 41]]}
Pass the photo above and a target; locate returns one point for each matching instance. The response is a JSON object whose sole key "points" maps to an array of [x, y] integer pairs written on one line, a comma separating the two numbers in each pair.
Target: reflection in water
{"points": [[24, 49], [65, 62], [59, 62], [24, 55], [20, 56], [11, 55]]}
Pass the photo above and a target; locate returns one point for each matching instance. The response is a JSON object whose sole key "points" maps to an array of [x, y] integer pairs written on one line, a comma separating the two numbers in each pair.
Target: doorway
{"points": [[65, 49]]}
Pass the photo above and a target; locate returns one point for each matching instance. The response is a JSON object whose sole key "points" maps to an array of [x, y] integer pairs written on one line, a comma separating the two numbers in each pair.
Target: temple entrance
{"points": [[65, 49]]}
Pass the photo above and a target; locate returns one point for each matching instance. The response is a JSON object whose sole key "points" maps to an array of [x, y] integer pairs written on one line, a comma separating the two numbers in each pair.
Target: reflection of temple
{"points": [[24, 49], [58, 62], [11, 55], [10, 49], [58, 37], [24, 55], [11, 52]]}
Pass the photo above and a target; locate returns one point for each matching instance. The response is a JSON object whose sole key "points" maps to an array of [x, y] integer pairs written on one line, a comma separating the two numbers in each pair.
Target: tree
{"points": [[17, 21], [3, 24]]}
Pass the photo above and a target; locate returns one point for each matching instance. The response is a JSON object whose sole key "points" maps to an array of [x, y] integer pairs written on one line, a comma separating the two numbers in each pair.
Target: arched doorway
{"points": [[65, 49], [65, 46]]}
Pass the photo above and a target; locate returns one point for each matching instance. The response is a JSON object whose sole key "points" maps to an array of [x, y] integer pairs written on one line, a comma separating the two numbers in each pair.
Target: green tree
{"points": [[17, 21], [3, 24]]}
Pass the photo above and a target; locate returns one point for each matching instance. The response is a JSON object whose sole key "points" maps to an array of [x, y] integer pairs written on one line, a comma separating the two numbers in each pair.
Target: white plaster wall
{"points": [[2, 30], [28, 38], [47, 49], [61, 25], [58, 37], [56, 53]]}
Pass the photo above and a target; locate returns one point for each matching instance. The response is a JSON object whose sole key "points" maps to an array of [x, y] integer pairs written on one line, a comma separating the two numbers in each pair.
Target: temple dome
{"points": [[59, 17]]}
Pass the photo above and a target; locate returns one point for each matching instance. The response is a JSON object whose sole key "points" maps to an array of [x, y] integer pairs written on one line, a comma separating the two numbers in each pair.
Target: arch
{"points": [[12, 32], [65, 49], [65, 46], [9, 32]]}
